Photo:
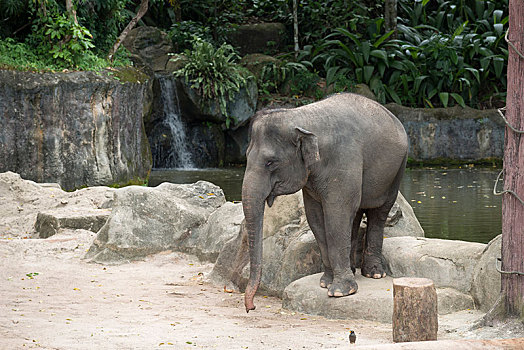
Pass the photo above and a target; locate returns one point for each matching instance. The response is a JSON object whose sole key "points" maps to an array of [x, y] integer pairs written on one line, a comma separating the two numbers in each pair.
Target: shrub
{"points": [[213, 73]]}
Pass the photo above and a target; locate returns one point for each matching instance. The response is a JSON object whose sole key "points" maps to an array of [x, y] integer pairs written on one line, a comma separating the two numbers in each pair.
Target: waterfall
{"points": [[176, 153]]}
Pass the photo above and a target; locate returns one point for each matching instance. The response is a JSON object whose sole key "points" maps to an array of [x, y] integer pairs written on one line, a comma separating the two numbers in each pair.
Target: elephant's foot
{"points": [[372, 267], [342, 287], [326, 280]]}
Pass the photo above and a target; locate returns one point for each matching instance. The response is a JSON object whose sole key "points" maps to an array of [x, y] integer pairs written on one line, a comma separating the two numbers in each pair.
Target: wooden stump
{"points": [[415, 315]]}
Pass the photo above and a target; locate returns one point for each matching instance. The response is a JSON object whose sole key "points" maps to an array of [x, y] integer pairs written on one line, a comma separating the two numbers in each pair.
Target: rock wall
{"points": [[77, 129], [455, 133]]}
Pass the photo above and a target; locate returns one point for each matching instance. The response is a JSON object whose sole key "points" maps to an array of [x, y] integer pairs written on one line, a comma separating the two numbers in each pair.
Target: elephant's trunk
{"points": [[253, 205]]}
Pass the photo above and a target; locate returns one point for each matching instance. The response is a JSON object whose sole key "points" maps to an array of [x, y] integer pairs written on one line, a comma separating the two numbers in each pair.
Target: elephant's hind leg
{"points": [[357, 241], [372, 260]]}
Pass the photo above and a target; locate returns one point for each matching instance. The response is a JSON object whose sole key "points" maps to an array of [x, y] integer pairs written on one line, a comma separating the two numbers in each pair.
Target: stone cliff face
{"points": [[77, 129], [456, 133]]}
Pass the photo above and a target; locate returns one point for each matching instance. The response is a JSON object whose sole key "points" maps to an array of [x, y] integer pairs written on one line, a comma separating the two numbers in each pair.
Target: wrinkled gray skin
{"points": [[347, 153]]}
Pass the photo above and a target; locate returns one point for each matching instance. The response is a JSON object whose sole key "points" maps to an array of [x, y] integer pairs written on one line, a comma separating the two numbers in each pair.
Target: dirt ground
{"points": [[53, 299]]}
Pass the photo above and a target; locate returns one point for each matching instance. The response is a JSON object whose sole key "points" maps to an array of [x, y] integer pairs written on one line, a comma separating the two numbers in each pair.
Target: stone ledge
{"points": [[373, 301], [49, 223]]}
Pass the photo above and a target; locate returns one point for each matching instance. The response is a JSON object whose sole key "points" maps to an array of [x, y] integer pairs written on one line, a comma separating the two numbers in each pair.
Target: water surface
{"points": [[450, 204]]}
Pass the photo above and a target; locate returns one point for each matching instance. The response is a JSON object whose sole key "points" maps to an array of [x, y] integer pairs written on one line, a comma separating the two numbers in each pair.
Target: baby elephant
{"points": [[347, 153]]}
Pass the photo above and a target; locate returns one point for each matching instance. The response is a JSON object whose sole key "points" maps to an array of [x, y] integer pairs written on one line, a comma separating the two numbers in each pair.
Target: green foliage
{"points": [[276, 74], [183, 33], [66, 40], [22, 56], [426, 65], [54, 40], [214, 73]]}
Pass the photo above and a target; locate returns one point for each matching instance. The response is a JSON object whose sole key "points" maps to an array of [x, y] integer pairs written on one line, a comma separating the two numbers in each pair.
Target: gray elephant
{"points": [[348, 154]]}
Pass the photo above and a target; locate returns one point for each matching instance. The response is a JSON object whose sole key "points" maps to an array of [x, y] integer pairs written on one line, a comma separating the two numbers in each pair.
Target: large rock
{"points": [[259, 38], [77, 129], [49, 223], [434, 133], [486, 287], [151, 48], [448, 263], [373, 301], [148, 220], [290, 250], [30, 209], [206, 241], [236, 145], [240, 107], [256, 63]]}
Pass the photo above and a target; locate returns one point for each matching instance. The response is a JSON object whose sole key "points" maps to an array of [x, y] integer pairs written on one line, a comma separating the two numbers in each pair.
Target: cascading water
{"points": [[173, 150]]}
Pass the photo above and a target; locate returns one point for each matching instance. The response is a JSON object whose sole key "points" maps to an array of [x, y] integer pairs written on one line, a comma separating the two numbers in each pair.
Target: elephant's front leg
{"points": [[315, 219], [338, 223]]}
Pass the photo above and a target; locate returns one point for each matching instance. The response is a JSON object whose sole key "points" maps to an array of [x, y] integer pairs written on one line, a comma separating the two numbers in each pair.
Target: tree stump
{"points": [[415, 315]]}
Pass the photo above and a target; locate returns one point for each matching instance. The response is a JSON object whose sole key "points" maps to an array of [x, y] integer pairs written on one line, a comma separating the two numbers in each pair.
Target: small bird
{"points": [[352, 337]]}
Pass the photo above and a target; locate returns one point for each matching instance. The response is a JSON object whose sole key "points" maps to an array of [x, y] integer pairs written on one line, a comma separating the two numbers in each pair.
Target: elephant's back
{"points": [[354, 116]]}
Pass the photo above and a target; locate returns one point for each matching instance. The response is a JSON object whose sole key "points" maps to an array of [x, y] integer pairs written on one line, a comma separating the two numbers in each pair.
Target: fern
{"points": [[213, 73]]}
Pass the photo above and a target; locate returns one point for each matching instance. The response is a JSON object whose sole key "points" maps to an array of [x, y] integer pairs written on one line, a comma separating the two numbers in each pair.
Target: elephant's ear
{"points": [[308, 143]]}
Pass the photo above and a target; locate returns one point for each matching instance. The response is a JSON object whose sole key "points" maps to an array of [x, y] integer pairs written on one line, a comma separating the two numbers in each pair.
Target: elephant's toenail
{"points": [[377, 275], [338, 293]]}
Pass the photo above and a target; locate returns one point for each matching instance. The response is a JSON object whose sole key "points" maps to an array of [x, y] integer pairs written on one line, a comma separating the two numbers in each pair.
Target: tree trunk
{"points": [[71, 10], [390, 17], [141, 12], [295, 26], [415, 315], [512, 209]]}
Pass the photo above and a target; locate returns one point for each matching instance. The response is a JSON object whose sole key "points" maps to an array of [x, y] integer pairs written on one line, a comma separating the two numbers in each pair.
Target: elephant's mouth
{"points": [[270, 199]]}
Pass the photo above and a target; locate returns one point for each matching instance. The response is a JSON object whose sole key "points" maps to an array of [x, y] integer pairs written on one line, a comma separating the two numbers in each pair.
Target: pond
{"points": [[449, 203]]}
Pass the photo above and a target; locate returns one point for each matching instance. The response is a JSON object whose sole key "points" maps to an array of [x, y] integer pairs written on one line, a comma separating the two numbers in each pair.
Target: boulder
{"points": [[290, 250], [149, 220], [258, 38], [448, 263], [239, 109], [207, 145], [207, 241], [372, 302], [256, 63], [49, 223], [402, 220], [486, 286], [77, 129], [150, 48], [28, 207], [236, 145], [364, 90]]}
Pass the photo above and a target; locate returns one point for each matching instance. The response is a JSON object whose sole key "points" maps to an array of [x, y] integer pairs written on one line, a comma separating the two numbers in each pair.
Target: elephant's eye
{"points": [[269, 162]]}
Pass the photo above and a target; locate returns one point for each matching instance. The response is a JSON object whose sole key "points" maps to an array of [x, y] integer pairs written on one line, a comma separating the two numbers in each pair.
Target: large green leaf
{"points": [[498, 64], [459, 99], [380, 54], [444, 97], [368, 73]]}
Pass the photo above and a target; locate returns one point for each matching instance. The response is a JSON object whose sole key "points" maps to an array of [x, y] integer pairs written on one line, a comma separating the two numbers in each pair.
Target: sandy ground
{"points": [[53, 299]]}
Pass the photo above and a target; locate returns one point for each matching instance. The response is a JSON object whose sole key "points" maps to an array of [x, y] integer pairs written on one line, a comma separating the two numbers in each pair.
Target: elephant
{"points": [[347, 154]]}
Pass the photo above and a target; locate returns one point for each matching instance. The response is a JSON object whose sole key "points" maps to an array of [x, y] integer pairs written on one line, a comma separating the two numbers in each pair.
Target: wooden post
{"points": [[415, 315], [512, 209]]}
